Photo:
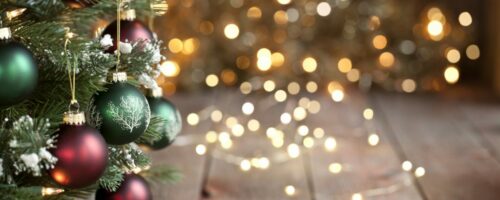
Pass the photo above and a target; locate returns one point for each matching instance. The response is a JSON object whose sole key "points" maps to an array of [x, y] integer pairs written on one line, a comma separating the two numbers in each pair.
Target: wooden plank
{"points": [[372, 171], [485, 117], [228, 181], [457, 165], [181, 154]]}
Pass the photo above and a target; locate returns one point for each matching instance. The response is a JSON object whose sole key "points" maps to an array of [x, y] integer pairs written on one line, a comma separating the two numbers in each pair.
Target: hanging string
{"points": [[71, 66], [118, 39]]}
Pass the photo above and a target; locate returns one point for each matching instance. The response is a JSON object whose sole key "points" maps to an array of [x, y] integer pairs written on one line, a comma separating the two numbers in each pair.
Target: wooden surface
{"points": [[457, 143]]}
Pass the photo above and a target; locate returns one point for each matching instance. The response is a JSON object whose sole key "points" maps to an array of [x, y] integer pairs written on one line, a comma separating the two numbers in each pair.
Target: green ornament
{"points": [[18, 71], [123, 111], [172, 126]]}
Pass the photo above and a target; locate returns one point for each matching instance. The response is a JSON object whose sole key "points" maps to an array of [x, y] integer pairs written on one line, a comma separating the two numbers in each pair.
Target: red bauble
{"points": [[79, 3], [133, 187], [82, 156], [130, 30]]}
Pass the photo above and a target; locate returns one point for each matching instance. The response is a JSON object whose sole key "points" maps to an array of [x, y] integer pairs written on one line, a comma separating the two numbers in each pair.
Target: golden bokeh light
{"points": [[269, 85], [419, 171], [311, 87], [465, 19], [169, 68], [264, 63], [216, 116], [314, 107], [231, 121], [453, 55], [344, 65], [246, 87], [193, 119], [190, 45], [277, 59], [308, 142], [323, 9], [280, 17], [245, 165], [211, 136], [368, 113], [247, 108], [357, 196], [293, 150], [319, 133], [334, 85], [231, 31], [373, 139], [280, 96], [253, 125], [335, 168], [303, 130], [299, 113], [201, 149], [337, 95], [284, 2], [289, 189], [473, 52], [293, 88], [353, 75], [330, 144], [379, 41], [228, 77], [212, 80], [254, 12], [175, 45], [309, 64], [407, 165], [386, 59], [286, 118], [263, 52], [409, 85], [435, 29], [451, 74]]}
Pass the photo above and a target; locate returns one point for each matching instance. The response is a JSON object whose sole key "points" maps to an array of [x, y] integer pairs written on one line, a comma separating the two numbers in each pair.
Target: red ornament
{"points": [[133, 187], [130, 30], [82, 156]]}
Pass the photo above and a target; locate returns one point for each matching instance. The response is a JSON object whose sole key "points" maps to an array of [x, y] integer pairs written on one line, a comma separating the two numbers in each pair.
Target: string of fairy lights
{"points": [[290, 137]]}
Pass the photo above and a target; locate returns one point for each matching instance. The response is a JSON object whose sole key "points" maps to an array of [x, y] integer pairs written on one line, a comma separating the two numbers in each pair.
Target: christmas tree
{"points": [[77, 101]]}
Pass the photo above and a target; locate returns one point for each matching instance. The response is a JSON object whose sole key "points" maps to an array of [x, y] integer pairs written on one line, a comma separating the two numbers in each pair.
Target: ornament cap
{"points": [[74, 118], [5, 33], [128, 15], [119, 77], [155, 92]]}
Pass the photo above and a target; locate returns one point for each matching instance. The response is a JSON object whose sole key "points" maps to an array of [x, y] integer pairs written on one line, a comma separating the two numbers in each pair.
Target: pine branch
{"points": [[112, 178], [152, 133]]}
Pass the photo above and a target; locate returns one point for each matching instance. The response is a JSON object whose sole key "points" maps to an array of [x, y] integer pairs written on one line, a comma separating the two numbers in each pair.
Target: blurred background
{"points": [[308, 99], [403, 46]]}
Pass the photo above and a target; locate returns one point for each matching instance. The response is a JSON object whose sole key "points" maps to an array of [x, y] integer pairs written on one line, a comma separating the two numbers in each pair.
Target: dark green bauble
{"points": [[172, 124], [124, 113], [18, 73]]}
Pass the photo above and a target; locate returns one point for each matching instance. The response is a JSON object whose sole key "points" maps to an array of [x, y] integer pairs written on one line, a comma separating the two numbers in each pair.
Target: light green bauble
{"points": [[172, 121], [18, 73], [123, 111]]}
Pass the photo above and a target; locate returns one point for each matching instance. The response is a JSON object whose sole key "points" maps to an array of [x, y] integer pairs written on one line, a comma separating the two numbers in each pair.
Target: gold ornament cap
{"points": [[5, 33], [117, 77], [74, 118], [155, 92], [128, 14]]}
